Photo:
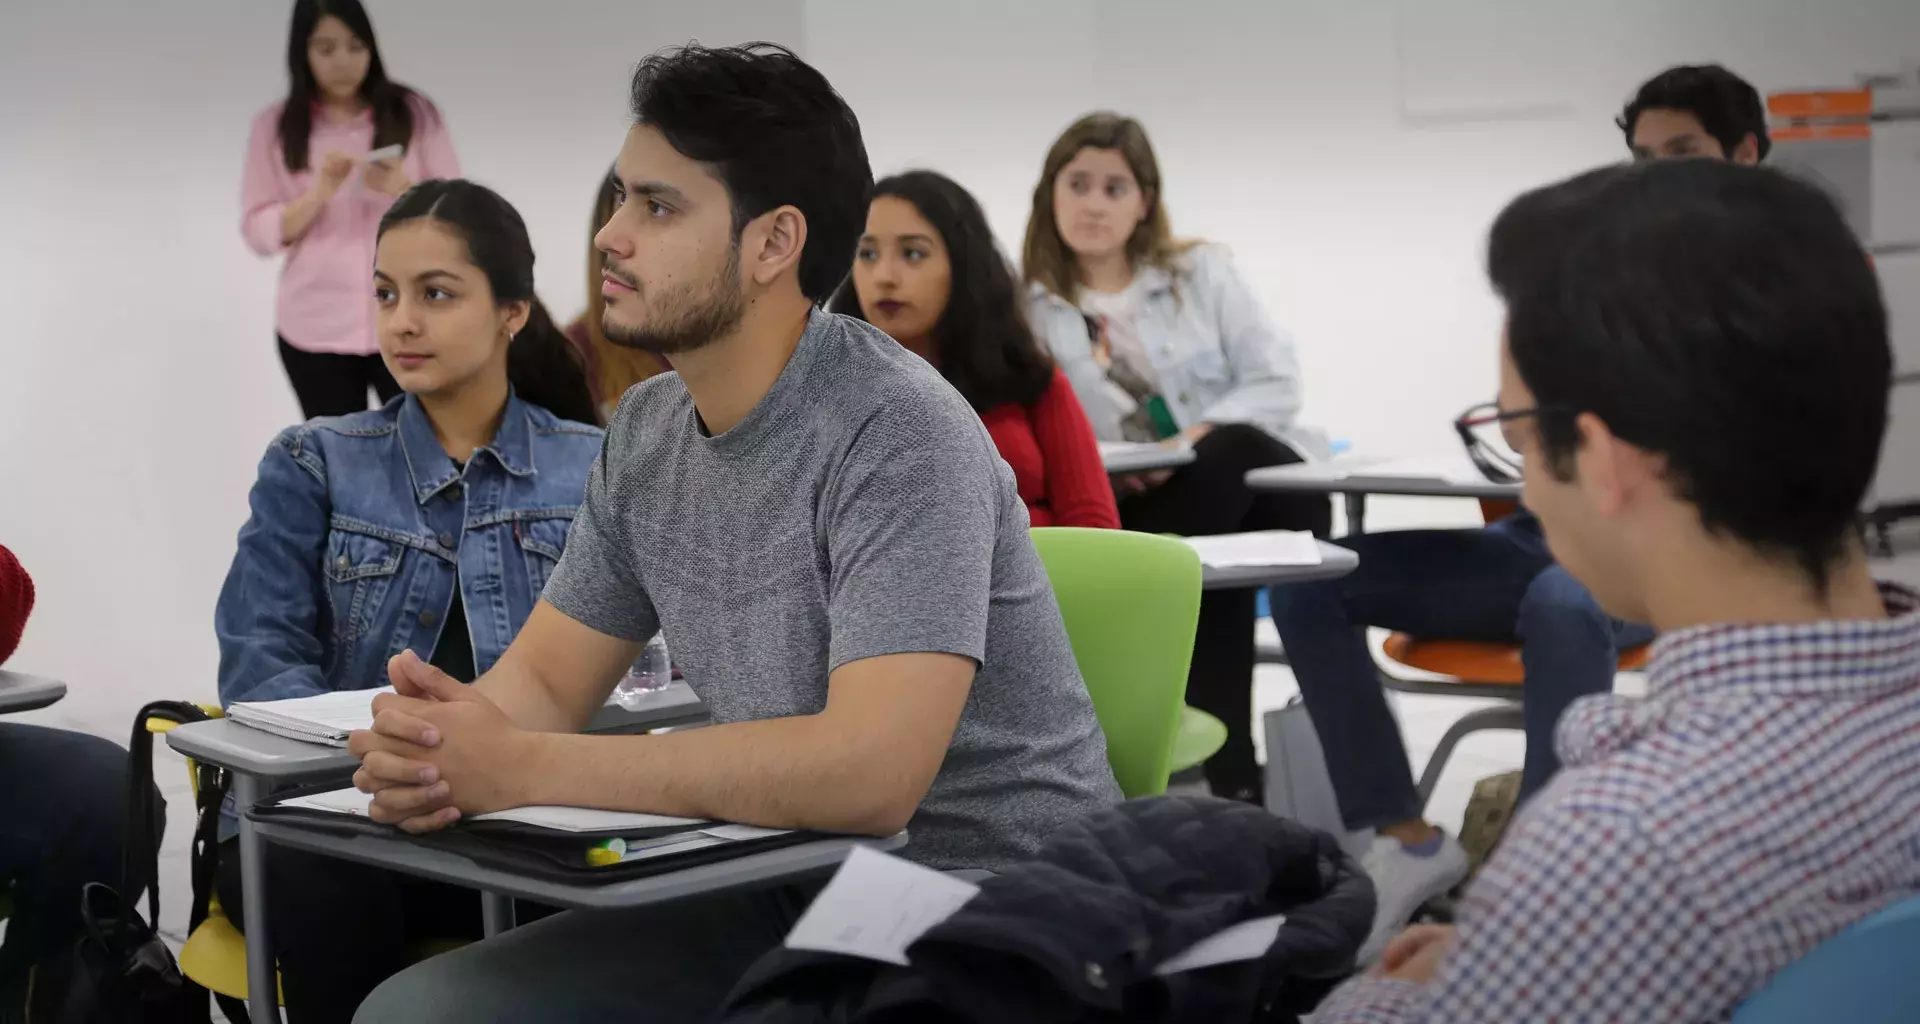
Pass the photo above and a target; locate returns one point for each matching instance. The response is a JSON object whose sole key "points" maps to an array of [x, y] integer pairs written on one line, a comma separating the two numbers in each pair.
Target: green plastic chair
{"points": [[1131, 602]]}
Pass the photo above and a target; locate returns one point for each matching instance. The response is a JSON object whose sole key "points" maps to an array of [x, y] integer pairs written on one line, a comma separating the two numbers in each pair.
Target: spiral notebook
{"points": [[322, 718]]}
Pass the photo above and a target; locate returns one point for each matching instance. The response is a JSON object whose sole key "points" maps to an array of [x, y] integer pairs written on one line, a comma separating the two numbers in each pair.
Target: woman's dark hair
{"points": [[542, 365], [1724, 104], [392, 103], [982, 343], [1721, 316], [771, 128]]}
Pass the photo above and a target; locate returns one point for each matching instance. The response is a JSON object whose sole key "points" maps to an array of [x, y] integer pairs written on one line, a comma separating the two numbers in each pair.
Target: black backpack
{"points": [[120, 970]]}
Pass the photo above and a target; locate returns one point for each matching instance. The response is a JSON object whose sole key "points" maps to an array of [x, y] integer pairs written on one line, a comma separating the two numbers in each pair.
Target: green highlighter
{"points": [[608, 852]]}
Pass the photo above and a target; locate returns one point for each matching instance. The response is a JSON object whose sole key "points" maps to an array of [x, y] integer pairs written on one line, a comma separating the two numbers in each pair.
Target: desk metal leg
{"points": [[496, 913], [263, 986], [1356, 514]]}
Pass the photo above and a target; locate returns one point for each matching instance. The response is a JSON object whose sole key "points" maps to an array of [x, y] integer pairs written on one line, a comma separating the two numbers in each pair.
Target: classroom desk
{"points": [[262, 762], [1123, 457], [22, 692], [1335, 562], [398, 853], [1357, 477]]}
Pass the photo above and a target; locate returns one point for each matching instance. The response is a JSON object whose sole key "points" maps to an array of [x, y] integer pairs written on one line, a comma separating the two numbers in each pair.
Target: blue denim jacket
{"points": [[1218, 357], [358, 526]]}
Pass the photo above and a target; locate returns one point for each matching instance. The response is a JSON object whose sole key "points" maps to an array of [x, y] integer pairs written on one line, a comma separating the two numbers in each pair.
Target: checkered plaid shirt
{"points": [[1761, 798]]}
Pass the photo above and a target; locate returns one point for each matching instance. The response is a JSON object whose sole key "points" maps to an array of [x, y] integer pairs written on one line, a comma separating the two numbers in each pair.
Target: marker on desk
{"points": [[608, 852]]}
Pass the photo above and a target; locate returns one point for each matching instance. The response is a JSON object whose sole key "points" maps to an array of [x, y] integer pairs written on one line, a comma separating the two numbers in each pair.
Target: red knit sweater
{"points": [[1056, 463], [16, 600]]}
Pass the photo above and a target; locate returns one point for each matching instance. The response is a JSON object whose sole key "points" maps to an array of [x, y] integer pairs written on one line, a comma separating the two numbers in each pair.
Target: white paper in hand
{"points": [[876, 906], [1248, 940]]}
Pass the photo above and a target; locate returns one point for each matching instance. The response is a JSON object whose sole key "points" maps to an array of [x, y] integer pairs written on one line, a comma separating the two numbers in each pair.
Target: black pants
{"points": [[340, 928], [63, 816], [335, 385], [1210, 496]]}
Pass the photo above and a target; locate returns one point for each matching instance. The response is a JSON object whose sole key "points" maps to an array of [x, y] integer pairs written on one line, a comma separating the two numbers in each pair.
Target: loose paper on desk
{"points": [[322, 718], [1263, 548], [876, 906], [1248, 940], [559, 819]]}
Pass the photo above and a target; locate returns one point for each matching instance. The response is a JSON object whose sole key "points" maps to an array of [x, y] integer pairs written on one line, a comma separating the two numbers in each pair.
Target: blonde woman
{"points": [[1165, 340]]}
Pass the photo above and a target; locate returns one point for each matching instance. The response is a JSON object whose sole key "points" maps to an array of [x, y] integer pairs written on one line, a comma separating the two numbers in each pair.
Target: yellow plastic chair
{"points": [[215, 955]]}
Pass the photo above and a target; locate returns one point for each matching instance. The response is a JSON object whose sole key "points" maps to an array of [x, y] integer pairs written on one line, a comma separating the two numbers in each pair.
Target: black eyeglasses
{"points": [[1483, 430]]}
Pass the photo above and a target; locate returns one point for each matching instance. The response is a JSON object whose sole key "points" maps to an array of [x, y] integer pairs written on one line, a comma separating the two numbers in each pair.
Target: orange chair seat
{"points": [[1473, 661]]}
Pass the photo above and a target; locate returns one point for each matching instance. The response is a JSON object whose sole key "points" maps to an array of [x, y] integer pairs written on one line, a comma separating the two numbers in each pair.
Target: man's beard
{"points": [[685, 323]]}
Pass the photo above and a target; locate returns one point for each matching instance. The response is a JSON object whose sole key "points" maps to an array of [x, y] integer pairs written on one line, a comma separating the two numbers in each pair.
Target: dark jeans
{"points": [[671, 962], [340, 928], [1498, 584], [63, 816], [1206, 497], [335, 385]]}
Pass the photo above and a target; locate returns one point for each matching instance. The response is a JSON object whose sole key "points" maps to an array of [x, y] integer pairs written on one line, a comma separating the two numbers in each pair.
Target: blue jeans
{"points": [[63, 818], [1497, 584]]}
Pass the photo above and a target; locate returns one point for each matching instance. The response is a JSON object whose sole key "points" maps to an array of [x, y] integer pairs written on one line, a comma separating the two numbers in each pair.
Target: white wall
{"points": [[1351, 156]]}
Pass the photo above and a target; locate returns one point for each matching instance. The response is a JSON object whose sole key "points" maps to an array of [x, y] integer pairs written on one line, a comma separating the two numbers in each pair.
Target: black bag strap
{"points": [[140, 855]]}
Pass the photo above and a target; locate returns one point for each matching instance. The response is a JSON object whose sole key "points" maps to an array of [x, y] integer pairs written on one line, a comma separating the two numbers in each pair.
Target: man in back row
{"points": [[1497, 584], [1695, 370], [820, 524]]}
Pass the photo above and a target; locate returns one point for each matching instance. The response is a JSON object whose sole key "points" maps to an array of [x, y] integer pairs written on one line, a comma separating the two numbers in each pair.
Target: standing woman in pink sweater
{"points": [[310, 192]]}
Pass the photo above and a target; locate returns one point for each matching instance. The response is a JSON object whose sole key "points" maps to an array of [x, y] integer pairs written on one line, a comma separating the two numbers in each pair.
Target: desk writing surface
{"points": [[397, 853], [280, 760], [22, 692], [1335, 562], [1376, 475]]}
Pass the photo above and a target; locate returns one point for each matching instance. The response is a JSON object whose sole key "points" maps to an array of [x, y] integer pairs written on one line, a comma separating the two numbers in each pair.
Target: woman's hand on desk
{"points": [[437, 750]]}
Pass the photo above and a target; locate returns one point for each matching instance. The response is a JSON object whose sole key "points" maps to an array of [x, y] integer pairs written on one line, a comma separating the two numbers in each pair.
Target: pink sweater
{"points": [[326, 284]]}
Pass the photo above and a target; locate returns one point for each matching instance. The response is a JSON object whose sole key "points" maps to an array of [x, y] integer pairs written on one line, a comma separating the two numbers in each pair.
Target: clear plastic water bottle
{"points": [[650, 674]]}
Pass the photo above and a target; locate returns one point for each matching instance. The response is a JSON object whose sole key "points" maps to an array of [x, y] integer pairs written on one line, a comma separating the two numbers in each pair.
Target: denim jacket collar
{"points": [[432, 470], [1153, 280]]}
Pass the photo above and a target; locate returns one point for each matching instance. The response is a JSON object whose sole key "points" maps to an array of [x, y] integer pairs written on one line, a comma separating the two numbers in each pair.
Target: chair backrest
{"points": [[1868, 974], [1130, 602]]}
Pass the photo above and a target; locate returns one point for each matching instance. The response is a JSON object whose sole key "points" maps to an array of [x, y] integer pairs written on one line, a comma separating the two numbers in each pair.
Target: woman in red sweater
{"points": [[928, 274]]}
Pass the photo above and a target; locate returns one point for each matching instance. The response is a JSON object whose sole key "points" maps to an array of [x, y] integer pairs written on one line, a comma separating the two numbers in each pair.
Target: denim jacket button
{"points": [[342, 562], [429, 618], [446, 540]]}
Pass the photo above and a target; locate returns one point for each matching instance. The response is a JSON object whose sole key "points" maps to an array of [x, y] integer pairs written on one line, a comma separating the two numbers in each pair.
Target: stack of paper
{"points": [[1264, 548], [322, 718]]}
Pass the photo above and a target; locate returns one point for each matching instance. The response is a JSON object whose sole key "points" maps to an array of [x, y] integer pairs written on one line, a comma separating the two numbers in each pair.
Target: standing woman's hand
{"points": [[335, 168], [298, 216], [386, 177]]}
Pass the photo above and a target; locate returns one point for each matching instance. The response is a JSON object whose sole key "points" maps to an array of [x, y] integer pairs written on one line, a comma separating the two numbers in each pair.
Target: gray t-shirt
{"points": [[859, 510]]}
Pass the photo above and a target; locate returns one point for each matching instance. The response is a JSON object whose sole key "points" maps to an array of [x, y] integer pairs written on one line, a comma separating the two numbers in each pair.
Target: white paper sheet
{"points": [[560, 819], [1264, 548], [1248, 940], [876, 906]]}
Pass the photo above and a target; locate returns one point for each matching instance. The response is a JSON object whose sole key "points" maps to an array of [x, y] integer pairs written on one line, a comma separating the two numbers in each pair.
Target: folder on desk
{"points": [[550, 843]]}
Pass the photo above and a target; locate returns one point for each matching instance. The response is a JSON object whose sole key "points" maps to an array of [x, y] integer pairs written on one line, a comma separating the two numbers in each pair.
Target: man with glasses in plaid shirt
{"points": [[1498, 584], [1695, 373]]}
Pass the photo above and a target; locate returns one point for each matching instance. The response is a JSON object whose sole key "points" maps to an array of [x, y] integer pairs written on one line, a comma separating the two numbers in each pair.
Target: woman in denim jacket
{"points": [[431, 524], [1164, 340]]}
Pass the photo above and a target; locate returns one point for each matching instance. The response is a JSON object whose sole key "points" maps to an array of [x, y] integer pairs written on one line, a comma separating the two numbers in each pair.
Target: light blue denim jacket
{"points": [[358, 526], [1217, 356]]}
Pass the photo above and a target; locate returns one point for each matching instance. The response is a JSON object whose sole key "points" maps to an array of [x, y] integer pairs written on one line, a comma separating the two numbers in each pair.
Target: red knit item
{"points": [[16, 600]]}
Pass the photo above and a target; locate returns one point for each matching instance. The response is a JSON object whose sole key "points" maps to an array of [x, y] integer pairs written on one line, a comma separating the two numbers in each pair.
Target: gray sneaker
{"points": [[1403, 882]]}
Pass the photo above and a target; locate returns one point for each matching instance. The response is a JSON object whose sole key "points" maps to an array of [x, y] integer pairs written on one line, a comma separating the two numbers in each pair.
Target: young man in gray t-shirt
{"points": [[824, 531]]}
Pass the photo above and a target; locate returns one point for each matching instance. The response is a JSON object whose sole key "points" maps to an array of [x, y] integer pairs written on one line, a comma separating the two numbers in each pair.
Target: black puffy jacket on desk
{"points": [[1075, 933]]}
